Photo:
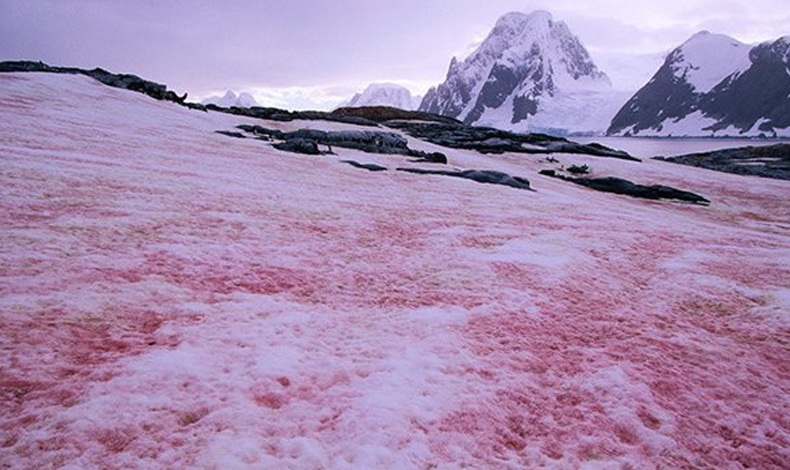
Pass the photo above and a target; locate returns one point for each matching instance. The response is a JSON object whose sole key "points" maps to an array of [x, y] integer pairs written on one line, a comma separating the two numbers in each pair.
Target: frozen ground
{"points": [[174, 298]]}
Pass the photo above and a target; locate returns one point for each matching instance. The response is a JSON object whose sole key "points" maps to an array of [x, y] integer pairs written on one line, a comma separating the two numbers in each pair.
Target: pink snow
{"points": [[174, 298]]}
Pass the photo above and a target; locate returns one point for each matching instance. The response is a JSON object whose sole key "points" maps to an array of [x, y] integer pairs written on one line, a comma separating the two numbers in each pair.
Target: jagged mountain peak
{"points": [[526, 61]]}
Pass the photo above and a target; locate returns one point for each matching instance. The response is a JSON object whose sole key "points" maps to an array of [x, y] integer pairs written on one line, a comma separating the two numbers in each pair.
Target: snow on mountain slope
{"points": [[707, 59], [175, 298], [230, 99], [531, 72], [384, 94], [713, 85]]}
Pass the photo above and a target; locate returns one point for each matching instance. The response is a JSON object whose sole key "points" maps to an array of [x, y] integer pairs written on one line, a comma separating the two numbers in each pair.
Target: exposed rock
{"points": [[303, 146], [365, 166], [385, 113], [125, 81], [578, 169], [260, 131], [388, 143], [490, 140], [481, 176], [614, 185], [768, 162], [432, 157], [237, 135]]}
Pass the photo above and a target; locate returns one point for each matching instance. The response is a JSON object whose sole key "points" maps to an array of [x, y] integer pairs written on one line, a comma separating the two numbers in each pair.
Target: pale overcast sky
{"points": [[313, 54]]}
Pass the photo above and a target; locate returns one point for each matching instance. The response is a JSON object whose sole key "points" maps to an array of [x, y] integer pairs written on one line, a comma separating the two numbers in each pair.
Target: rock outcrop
{"points": [[771, 161], [125, 81], [614, 185], [480, 176]]}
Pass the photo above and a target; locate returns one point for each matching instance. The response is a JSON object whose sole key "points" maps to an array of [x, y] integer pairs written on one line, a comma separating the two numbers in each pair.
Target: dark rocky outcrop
{"points": [[490, 140], [382, 114], [125, 81], [237, 135], [365, 166], [614, 185], [303, 146], [276, 114], [432, 157], [481, 176], [160, 92], [389, 143], [768, 162]]}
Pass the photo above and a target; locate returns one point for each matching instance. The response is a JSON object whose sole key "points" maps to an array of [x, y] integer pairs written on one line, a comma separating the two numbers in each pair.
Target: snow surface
{"points": [[707, 59], [174, 298]]}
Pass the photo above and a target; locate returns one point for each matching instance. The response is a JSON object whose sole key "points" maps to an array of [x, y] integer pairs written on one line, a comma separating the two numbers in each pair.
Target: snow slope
{"points": [[175, 298], [706, 59], [384, 94]]}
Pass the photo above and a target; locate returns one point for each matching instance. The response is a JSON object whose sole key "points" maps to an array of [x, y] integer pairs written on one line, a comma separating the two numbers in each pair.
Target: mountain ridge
{"points": [[713, 85]]}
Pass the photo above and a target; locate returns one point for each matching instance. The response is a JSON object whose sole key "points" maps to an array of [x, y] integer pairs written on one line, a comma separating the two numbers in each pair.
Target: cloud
{"points": [[301, 50]]}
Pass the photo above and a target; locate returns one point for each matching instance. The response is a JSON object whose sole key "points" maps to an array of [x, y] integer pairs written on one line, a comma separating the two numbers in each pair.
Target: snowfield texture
{"points": [[175, 298]]}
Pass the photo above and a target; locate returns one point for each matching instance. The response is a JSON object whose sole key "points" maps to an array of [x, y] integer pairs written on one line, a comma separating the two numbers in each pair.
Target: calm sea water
{"points": [[646, 147]]}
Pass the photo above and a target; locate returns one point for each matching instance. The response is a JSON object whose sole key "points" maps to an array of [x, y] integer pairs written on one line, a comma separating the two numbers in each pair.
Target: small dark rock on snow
{"points": [[614, 185], [481, 176]]}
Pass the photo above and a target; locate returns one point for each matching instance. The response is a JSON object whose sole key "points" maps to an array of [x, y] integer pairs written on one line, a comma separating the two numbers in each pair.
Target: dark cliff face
{"points": [[758, 95], [665, 96]]}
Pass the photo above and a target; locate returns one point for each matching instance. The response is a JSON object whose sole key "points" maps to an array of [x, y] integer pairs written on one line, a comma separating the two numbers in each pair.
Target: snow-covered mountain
{"points": [[242, 100], [531, 73], [384, 94], [713, 85]]}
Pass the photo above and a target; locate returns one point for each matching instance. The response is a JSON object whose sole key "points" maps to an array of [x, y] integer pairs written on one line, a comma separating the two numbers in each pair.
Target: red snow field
{"points": [[173, 298]]}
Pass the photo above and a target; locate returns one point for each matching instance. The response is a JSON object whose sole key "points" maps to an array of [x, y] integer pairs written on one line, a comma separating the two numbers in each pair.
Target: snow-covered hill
{"points": [[384, 94], [530, 73], [713, 85], [175, 298], [231, 99]]}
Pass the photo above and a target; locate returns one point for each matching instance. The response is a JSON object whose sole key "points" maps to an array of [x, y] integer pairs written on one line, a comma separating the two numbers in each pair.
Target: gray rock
{"points": [[303, 146], [365, 166], [771, 161], [480, 176], [614, 185]]}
